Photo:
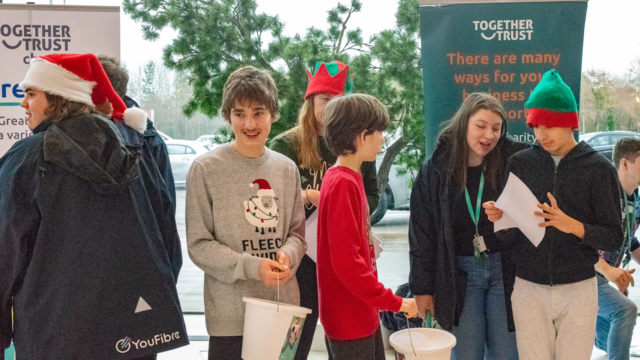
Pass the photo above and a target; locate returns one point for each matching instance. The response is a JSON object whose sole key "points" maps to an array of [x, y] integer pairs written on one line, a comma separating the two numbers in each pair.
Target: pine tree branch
{"points": [[344, 28]]}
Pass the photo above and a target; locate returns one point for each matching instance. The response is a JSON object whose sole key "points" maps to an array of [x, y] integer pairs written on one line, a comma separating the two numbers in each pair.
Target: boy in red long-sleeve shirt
{"points": [[349, 291]]}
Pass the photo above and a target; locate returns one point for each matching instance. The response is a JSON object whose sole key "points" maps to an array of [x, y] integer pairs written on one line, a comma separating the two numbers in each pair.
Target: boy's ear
{"points": [[360, 140]]}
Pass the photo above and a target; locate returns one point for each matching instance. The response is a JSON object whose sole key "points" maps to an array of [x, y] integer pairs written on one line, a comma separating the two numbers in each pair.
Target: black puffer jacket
{"points": [[82, 256], [433, 259]]}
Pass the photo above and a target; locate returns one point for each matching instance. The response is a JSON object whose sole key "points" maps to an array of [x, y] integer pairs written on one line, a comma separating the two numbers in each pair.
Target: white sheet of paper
{"points": [[377, 241], [519, 205], [311, 236]]}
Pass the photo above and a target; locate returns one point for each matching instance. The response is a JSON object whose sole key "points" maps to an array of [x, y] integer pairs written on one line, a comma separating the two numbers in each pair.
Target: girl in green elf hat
{"points": [[555, 296], [305, 145]]}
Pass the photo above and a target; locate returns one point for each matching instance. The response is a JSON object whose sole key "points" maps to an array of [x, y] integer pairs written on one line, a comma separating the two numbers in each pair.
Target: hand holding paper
{"points": [[519, 207], [493, 213]]}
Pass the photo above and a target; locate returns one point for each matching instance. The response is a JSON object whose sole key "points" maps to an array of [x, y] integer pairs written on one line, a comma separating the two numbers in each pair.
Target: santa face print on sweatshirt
{"points": [[261, 210]]}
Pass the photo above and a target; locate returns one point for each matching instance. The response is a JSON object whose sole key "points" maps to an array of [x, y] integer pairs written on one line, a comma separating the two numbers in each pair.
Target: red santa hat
{"points": [[264, 189], [80, 78]]}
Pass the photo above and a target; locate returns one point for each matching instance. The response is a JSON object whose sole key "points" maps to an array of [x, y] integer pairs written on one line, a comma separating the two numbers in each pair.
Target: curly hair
{"points": [[59, 108]]}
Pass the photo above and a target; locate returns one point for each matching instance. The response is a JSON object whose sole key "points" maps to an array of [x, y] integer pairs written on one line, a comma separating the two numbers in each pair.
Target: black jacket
{"points": [[433, 265], [81, 250], [586, 187], [158, 193], [158, 150]]}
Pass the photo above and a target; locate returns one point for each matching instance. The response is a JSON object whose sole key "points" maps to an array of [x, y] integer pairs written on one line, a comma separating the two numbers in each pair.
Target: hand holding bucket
{"points": [[409, 307], [272, 272]]}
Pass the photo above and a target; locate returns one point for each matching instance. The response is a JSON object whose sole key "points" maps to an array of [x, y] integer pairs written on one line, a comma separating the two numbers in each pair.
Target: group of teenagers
{"points": [[90, 254]]}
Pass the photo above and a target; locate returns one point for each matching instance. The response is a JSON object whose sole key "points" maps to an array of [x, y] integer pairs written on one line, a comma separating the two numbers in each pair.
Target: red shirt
{"points": [[349, 292]]}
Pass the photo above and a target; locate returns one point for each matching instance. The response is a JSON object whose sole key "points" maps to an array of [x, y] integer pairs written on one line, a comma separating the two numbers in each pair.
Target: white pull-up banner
{"points": [[27, 31]]}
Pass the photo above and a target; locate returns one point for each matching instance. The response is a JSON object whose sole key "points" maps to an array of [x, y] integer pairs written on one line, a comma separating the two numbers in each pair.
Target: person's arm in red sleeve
{"points": [[344, 240]]}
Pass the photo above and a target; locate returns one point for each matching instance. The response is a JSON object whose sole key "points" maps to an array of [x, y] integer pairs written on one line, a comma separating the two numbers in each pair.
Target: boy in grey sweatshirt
{"points": [[244, 213]]}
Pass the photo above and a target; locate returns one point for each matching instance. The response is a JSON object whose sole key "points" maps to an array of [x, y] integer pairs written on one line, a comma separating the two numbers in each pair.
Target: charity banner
{"points": [[27, 31], [498, 47]]}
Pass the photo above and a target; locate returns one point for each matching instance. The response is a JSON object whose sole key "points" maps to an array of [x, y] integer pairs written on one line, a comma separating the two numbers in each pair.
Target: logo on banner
{"points": [[505, 30], [35, 38]]}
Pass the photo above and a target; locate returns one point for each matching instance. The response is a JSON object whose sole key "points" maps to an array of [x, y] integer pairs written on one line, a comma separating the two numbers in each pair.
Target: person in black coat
{"points": [[154, 163], [153, 142], [83, 260], [459, 270]]}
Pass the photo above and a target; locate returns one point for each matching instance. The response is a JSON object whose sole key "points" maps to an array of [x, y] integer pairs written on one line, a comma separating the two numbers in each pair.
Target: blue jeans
{"points": [[483, 328], [616, 318]]}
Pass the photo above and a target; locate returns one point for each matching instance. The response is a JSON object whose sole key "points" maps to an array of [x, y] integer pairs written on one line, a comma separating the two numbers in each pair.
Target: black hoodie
{"points": [[585, 185]]}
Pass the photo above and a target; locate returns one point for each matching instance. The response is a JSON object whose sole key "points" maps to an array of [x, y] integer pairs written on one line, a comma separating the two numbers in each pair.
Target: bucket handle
{"points": [[409, 332], [278, 295]]}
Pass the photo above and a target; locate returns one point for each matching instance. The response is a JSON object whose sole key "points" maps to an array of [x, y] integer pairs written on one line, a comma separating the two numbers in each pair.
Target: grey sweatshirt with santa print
{"points": [[238, 211]]}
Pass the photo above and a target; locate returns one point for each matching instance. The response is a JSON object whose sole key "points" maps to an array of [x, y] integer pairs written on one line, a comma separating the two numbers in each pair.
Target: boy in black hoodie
{"points": [[555, 296]]}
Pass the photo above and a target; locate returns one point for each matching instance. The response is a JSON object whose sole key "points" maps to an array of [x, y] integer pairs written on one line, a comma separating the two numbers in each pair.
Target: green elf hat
{"points": [[552, 103], [332, 78]]}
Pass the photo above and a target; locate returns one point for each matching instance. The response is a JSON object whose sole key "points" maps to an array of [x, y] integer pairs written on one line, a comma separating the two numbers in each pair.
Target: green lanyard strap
{"points": [[475, 217]]}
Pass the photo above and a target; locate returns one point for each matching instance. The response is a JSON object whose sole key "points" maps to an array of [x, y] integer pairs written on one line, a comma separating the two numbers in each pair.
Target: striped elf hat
{"points": [[552, 103]]}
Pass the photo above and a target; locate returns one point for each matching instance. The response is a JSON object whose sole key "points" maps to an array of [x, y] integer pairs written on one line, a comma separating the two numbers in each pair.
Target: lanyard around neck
{"points": [[475, 217]]}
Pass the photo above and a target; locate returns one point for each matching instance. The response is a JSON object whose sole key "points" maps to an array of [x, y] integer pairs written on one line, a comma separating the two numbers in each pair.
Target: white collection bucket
{"points": [[266, 324], [428, 344]]}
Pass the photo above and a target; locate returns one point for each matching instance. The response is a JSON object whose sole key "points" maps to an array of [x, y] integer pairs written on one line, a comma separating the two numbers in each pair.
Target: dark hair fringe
{"points": [[252, 85], [455, 133]]}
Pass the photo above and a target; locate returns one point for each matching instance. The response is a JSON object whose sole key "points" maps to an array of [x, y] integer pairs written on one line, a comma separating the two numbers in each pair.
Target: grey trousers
{"points": [[555, 322]]}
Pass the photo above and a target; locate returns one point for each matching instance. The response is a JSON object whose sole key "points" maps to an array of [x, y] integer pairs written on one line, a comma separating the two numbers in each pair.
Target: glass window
{"points": [[177, 149], [189, 150], [616, 138], [599, 140]]}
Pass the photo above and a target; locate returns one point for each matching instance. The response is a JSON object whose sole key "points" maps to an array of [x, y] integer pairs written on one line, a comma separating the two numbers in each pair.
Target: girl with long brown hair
{"points": [[456, 259], [305, 145]]}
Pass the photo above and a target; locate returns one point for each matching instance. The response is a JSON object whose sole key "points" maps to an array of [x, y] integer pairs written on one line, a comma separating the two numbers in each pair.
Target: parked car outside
{"points": [[604, 141], [396, 195], [207, 140], [164, 136], [181, 155]]}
